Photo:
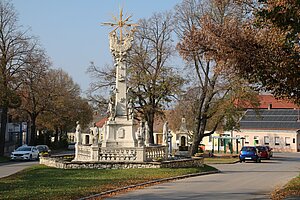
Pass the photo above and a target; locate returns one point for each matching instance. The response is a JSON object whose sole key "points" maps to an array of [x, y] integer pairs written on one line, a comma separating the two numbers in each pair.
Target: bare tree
{"points": [[152, 77], [15, 46]]}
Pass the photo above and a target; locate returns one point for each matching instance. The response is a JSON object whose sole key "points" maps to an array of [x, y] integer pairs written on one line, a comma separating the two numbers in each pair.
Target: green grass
{"points": [[292, 188], [41, 182], [217, 160]]}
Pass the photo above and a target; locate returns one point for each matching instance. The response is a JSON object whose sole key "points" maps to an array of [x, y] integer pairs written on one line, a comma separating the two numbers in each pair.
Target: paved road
{"points": [[12, 167], [237, 181]]}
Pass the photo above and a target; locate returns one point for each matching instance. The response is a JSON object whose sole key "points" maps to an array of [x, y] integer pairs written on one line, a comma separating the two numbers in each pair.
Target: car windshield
{"points": [[24, 149], [248, 149], [42, 148], [261, 148]]}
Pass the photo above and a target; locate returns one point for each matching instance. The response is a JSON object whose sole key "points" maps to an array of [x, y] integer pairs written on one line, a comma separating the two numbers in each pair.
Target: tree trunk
{"points": [[3, 129], [150, 120], [33, 130]]}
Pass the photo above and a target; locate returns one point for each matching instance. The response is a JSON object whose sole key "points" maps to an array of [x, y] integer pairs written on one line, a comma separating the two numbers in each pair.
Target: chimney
{"points": [[270, 106]]}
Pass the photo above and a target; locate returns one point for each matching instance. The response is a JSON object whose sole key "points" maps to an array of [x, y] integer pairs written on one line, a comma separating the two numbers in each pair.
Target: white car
{"points": [[25, 153]]}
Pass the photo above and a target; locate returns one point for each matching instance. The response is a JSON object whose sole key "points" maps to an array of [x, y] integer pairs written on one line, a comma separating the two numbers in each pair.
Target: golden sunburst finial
{"points": [[119, 24]]}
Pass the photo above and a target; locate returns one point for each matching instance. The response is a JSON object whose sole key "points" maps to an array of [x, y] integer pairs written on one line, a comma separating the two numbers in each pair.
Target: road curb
{"points": [[148, 183]]}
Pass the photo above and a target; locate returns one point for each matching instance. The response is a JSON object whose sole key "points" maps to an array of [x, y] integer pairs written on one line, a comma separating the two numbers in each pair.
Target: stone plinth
{"points": [[119, 133]]}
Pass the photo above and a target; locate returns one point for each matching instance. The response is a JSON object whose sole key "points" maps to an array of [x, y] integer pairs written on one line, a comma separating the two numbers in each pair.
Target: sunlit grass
{"points": [[41, 182]]}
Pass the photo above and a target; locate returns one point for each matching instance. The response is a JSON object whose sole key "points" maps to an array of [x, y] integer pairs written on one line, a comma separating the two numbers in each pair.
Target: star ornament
{"points": [[121, 24]]}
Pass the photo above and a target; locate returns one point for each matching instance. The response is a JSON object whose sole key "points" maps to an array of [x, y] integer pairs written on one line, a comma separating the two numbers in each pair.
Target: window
{"points": [[294, 140], [276, 140], [266, 140], [256, 140], [246, 139], [287, 141]]}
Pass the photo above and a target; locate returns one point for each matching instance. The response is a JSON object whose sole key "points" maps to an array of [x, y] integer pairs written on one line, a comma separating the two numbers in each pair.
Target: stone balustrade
{"points": [[58, 162], [155, 152], [120, 154]]}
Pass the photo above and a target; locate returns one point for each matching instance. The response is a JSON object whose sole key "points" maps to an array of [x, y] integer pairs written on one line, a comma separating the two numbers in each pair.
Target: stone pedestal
{"points": [[94, 153], [120, 133]]}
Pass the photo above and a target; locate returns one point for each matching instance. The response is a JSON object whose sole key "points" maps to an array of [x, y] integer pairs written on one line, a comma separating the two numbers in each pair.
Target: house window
{"points": [[276, 140], [294, 140], [287, 141], [266, 140], [256, 140], [246, 139]]}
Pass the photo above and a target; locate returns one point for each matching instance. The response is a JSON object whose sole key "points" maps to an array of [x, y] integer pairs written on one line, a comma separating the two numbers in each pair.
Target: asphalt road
{"points": [[237, 181], [12, 167]]}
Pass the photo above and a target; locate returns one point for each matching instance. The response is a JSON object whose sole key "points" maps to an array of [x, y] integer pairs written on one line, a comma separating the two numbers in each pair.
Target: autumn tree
{"points": [[34, 93], [214, 87], [264, 49], [67, 106], [15, 46]]}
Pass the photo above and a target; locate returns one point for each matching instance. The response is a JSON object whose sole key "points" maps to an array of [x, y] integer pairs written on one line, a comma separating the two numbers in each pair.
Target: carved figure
{"points": [[111, 109], [78, 133], [95, 134], [130, 109], [147, 134], [165, 132]]}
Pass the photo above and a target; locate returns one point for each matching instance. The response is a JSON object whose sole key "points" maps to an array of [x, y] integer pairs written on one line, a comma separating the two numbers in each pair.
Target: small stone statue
{"points": [[130, 109], [165, 133], [147, 134], [111, 110], [78, 133], [141, 134], [95, 134]]}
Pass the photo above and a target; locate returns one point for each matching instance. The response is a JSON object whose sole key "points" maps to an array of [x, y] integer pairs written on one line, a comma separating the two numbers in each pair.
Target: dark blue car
{"points": [[249, 153]]}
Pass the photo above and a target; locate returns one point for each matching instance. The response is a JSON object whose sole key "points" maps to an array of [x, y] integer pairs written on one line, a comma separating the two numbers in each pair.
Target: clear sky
{"points": [[71, 33]]}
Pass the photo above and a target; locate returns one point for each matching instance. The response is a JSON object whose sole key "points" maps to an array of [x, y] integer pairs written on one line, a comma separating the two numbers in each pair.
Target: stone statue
{"points": [[111, 109], [141, 135], [130, 109], [147, 134], [165, 133], [95, 134], [78, 133]]}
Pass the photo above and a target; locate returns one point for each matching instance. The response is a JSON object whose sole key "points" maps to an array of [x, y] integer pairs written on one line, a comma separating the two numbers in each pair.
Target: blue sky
{"points": [[71, 33]]}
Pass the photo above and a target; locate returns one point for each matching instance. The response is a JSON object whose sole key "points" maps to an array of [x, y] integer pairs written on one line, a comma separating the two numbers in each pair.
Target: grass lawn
{"points": [[220, 160], [292, 188], [41, 182]]}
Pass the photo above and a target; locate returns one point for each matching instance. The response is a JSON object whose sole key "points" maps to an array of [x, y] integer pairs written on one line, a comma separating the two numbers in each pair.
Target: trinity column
{"points": [[119, 127]]}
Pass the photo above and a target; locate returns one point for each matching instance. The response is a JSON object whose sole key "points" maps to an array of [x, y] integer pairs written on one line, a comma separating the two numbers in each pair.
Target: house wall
{"points": [[280, 141]]}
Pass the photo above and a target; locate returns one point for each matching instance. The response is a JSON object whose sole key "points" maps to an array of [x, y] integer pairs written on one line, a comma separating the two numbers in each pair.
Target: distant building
{"points": [[275, 123]]}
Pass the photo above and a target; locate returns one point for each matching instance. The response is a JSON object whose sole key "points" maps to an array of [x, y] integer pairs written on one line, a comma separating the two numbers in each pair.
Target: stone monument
{"points": [[123, 139]]}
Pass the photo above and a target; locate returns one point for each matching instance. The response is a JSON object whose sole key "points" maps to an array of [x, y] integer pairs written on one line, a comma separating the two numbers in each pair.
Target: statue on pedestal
{"points": [[78, 133], [165, 133], [147, 134], [111, 109], [95, 132]]}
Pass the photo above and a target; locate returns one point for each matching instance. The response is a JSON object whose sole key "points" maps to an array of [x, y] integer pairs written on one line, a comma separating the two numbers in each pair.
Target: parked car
{"points": [[249, 153], [25, 153], [71, 146], [263, 152], [43, 150], [270, 150]]}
